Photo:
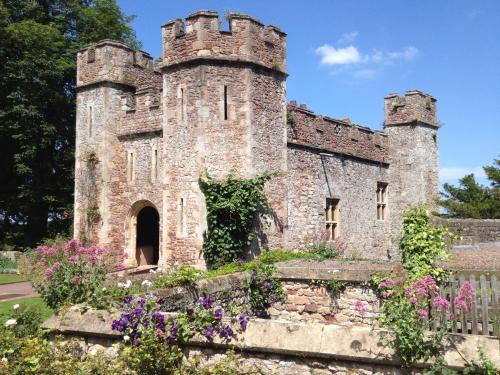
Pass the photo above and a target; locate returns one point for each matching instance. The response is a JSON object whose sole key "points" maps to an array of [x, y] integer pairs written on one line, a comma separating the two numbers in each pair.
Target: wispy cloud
{"points": [[456, 173], [347, 38], [361, 65]]}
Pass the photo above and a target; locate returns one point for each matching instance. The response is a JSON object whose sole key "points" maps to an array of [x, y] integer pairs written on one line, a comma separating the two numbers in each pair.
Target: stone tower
{"points": [[110, 79], [224, 111], [411, 126]]}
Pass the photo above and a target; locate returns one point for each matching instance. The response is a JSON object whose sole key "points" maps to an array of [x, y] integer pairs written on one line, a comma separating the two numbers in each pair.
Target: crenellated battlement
{"points": [[415, 106], [248, 40], [335, 135], [115, 62]]}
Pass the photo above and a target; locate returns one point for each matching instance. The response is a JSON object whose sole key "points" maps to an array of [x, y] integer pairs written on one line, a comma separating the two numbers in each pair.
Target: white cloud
{"points": [[349, 59], [338, 56], [409, 53], [348, 38], [365, 73], [456, 173]]}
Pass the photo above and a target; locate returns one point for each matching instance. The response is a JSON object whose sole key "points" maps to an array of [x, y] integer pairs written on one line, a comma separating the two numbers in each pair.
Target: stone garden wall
{"points": [[472, 231], [282, 347]]}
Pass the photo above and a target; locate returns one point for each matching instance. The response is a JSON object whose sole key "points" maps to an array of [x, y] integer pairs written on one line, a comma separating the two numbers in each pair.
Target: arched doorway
{"points": [[148, 236]]}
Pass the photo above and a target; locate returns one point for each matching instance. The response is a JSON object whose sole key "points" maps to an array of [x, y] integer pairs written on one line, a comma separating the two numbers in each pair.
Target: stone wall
{"points": [[281, 347], [312, 178], [317, 302], [472, 231]]}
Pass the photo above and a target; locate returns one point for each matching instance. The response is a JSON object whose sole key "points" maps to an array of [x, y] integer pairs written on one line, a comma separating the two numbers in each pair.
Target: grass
{"points": [[11, 278], [6, 307]]}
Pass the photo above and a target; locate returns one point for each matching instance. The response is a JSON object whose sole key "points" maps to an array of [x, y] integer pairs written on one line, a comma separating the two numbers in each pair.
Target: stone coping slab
{"points": [[357, 344]]}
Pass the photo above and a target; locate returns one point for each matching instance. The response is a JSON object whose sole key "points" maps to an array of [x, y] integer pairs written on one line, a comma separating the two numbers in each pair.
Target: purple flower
{"points": [[218, 314], [243, 320], [206, 302], [413, 300], [440, 303], [127, 300], [359, 306], [209, 333], [189, 311], [226, 332]]}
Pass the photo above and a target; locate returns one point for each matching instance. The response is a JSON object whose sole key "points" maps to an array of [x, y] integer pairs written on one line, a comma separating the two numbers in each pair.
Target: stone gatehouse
{"points": [[215, 101]]}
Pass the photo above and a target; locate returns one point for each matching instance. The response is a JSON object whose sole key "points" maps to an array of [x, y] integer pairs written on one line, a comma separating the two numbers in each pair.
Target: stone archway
{"points": [[144, 235]]}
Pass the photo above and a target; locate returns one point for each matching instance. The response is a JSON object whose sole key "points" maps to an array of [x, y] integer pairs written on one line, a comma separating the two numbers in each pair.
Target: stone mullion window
{"points": [[381, 200], [332, 219]]}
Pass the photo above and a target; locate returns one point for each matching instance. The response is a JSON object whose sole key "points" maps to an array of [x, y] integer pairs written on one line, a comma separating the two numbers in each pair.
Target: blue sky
{"points": [[345, 56]]}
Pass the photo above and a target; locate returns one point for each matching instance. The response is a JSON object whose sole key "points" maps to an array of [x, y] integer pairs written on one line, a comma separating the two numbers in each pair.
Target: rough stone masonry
{"points": [[215, 101]]}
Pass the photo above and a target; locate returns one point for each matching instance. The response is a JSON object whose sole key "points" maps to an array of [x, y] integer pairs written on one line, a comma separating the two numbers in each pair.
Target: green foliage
{"points": [[484, 367], [290, 117], [91, 158], [473, 200], [29, 303], [233, 206], [7, 264], [422, 245], [38, 45], [93, 214], [264, 289], [324, 250], [183, 276]]}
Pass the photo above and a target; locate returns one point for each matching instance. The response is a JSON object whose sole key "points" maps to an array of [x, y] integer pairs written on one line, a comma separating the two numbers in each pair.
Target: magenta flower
{"points": [[388, 283], [465, 297], [413, 300], [422, 314], [56, 265], [48, 271], [440, 303], [75, 279]]}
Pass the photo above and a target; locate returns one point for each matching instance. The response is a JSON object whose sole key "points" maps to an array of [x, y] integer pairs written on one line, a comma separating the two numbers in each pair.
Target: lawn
{"points": [[11, 278], [33, 302]]}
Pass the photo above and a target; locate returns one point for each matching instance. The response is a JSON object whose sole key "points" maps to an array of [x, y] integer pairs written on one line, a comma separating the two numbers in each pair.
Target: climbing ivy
{"points": [[233, 206]]}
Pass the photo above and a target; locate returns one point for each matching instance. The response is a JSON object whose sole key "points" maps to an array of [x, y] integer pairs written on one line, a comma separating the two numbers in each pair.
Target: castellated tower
{"points": [[411, 126], [117, 90], [224, 112]]}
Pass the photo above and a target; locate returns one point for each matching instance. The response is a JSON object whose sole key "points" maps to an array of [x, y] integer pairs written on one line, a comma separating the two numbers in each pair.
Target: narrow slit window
{"points": [[181, 217], [225, 103], [91, 120], [182, 104], [332, 219], [131, 166], [154, 164], [381, 200]]}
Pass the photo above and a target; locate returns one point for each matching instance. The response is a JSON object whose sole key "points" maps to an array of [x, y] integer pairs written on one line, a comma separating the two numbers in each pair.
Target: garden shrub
{"points": [[69, 273], [233, 206], [264, 289], [7, 264]]}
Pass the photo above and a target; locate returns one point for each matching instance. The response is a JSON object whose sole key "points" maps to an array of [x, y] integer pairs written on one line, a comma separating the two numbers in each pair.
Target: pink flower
{"points": [[388, 283], [48, 271], [386, 294], [359, 306], [56, 265], [93, 259], [413, 300], [75, 279], [73, 259], [422, 292], [71, 244], [422, 314], [120, 265], [465, 297], [440, 303]]}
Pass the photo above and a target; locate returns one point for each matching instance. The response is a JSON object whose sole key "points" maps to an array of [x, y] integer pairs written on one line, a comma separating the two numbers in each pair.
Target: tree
{"points": [[473, 200], [38, 45]]}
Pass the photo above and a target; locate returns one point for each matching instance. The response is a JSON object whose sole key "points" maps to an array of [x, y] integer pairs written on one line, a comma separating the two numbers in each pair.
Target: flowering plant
{"points": [[412, 308], [69, 272], [152, 338]]}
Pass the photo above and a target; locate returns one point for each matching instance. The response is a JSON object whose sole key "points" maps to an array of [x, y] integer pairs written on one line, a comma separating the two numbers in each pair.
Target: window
{"points": [[154, 164], [90, 121], [381, 200], [182, 104], [332, 219], [181, 222], [225, 103], [131, 166]]}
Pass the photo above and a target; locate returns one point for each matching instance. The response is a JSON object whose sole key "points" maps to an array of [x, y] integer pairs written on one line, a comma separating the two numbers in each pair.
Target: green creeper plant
{"points": [[233, 207]]}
